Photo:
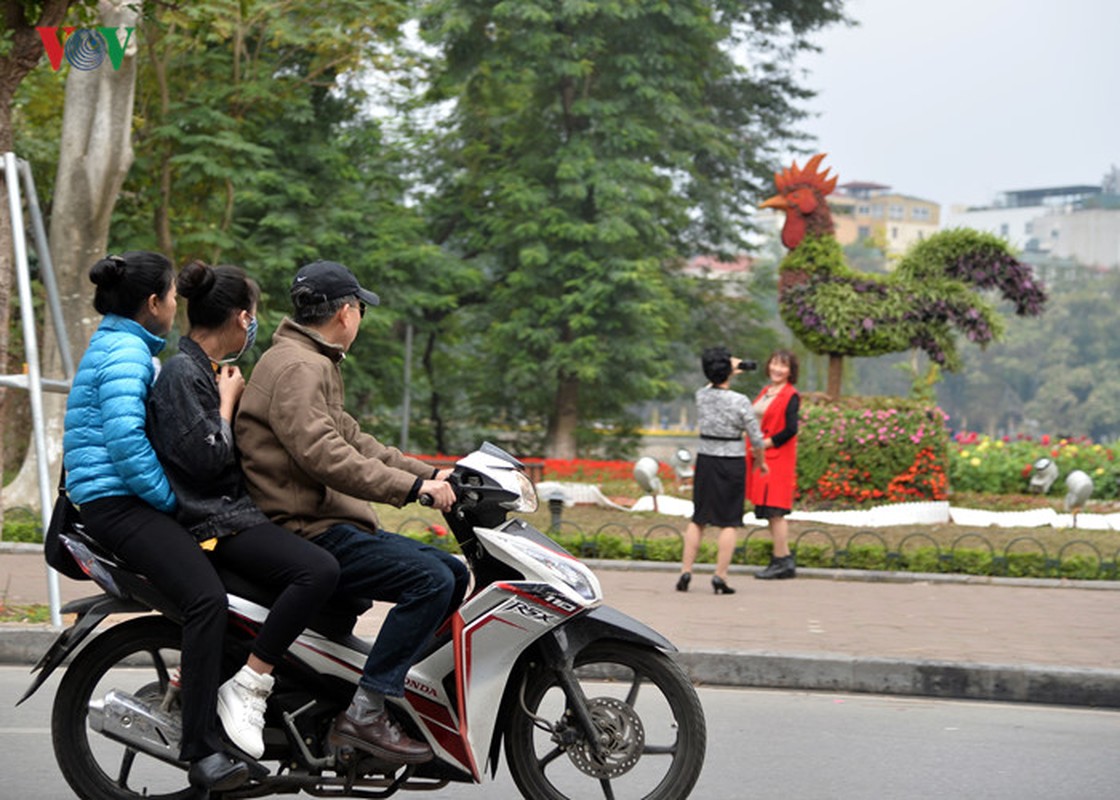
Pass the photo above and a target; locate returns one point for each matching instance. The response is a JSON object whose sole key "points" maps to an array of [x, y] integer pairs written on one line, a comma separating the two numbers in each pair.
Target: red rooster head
{"points": [[801, 194]]}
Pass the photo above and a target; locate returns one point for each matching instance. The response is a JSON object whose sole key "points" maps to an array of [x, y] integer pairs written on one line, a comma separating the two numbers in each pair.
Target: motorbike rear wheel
{"points": [[649, 721], [136, 657]]}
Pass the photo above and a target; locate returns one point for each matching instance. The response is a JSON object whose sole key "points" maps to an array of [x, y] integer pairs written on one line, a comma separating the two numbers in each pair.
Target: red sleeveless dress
{"points": [[774, 489]]}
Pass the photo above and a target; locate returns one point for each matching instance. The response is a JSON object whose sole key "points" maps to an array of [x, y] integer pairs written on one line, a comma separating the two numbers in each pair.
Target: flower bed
{"points": [[980, 463], [867, 451]]}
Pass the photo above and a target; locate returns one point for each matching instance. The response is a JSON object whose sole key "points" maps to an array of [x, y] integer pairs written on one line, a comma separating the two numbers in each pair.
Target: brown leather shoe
{"points": [[382, 737]]}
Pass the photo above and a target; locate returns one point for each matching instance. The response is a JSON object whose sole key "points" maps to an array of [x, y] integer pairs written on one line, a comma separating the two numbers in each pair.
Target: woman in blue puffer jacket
{"points": [[113, 475]]}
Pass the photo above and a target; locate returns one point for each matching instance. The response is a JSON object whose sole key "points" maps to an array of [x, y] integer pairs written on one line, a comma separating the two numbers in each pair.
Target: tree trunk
{"points": [[835, 374], [94, 157], [22, 56], [564, 420], [434, 412]]}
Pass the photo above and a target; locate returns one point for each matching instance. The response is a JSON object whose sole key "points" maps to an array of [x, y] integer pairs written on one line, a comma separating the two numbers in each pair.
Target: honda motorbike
{"points": [[585, 700]]}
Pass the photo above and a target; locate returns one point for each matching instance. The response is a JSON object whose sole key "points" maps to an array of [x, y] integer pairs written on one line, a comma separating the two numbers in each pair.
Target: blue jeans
{"points": [[426, 584]]}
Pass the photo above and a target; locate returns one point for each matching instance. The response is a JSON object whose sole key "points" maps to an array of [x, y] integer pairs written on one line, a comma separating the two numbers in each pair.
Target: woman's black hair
{"points": [[213, 293], [125, 282], [716, 363]]}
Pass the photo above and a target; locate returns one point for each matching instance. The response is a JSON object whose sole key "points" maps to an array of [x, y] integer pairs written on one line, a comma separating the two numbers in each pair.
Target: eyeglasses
{"points": [[361, 309]]}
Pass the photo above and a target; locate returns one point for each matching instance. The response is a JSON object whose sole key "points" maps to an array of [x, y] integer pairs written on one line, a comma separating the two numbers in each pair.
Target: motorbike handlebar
{"points": [[426, 500]]}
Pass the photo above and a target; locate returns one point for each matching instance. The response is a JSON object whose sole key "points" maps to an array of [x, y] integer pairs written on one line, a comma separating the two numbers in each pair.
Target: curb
{"points": [[1020, 683], [24, 644], [948, 680]]}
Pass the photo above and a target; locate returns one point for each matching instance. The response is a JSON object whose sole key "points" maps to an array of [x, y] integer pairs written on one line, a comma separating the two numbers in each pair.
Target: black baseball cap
{"points": [[332, 280]]}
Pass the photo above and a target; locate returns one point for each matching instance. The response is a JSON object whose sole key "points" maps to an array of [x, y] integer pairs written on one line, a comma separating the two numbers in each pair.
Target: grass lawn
{"points": [[36, 612]]}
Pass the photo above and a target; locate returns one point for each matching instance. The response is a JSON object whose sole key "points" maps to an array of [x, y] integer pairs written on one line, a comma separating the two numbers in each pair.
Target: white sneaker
{"points": [[241, 704]]}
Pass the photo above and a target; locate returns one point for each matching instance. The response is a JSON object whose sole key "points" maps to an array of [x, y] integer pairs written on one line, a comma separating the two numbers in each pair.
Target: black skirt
{"points": [[718, 490]]}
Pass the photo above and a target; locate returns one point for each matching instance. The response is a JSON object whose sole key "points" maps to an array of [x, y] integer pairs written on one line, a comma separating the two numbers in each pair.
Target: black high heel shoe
{"points": [[683, 581], [719, 586]]}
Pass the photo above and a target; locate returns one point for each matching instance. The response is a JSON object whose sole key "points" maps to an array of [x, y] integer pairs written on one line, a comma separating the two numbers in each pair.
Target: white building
{"points": [[1078, 222]]}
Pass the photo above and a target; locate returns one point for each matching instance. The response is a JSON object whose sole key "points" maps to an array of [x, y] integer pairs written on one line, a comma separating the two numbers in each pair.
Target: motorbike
{"points": [[585, 700]]}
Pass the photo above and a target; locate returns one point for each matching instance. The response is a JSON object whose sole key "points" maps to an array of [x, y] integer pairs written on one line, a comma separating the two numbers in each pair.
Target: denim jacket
{"points": [[195, 446]]}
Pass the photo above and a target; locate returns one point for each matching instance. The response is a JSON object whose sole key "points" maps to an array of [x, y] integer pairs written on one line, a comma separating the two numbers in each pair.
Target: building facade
{"points": [[871, 212]]}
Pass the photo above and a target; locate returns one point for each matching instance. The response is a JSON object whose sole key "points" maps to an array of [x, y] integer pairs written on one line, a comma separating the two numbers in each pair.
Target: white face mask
{"points": [[250, 339]]}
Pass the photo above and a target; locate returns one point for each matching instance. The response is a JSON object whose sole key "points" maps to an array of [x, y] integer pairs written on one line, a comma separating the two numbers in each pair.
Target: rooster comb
{"points": [[795, 176]]}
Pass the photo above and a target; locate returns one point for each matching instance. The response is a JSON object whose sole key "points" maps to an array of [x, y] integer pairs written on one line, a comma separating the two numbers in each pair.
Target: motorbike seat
{"points": [[335, 620]]}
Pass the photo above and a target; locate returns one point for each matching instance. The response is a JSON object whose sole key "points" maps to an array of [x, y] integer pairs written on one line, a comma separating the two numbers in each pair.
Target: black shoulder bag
{"points": [[64, 518]]}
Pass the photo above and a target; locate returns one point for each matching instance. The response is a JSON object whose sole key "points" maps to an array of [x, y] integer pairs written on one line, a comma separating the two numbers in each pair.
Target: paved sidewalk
{"points": [[943, 636]]}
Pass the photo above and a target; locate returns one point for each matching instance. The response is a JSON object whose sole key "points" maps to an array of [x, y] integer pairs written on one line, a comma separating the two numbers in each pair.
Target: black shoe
{"points": [[219, 772], [683, 581], [382, 737], [719, 586], [778, 569]]}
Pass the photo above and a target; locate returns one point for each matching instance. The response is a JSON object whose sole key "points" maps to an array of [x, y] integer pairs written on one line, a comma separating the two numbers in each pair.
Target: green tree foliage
{"points": [[1056, 374], [254, 145], [591, 148]]}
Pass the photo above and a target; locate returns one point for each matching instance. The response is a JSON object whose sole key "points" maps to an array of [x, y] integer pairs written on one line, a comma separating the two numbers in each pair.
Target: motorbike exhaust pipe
{"points": [[129, 720]]}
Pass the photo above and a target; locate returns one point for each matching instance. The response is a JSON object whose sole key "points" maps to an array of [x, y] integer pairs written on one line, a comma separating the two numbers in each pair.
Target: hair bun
{"points": [[107, 272], [195, 280]]}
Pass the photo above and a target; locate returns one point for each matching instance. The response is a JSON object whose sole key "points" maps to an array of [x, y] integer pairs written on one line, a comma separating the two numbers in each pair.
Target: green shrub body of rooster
{"points": [[931, 296]]}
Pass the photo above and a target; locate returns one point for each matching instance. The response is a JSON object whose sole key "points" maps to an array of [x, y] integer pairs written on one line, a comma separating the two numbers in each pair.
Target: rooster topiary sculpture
{"points": [[929, 297]]}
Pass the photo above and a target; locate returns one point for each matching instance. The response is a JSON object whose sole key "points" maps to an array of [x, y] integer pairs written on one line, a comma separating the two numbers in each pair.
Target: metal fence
{"points": [[847, 551]]}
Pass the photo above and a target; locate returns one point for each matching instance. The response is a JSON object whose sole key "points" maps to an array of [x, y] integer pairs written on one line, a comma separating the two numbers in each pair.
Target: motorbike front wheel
{"points": [[648, 720], [135, 657]]}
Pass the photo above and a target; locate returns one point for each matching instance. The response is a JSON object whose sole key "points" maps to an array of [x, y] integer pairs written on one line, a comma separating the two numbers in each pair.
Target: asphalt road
{"points": [[776, 744]]}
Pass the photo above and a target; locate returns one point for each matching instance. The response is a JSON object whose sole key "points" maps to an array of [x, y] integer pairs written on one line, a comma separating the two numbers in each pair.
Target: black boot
{"points": [[778, 568]]}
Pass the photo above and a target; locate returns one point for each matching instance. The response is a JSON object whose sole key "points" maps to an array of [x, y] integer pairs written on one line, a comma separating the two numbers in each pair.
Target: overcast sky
{"points": [[957, 100]]}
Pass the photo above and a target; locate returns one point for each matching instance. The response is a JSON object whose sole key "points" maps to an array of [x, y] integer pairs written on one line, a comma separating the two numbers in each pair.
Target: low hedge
{"points": [[966, 561]]}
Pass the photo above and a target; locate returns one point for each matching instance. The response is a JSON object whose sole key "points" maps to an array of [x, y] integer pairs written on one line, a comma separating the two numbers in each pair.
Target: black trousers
{"points": [[305, 574], [157, 546]]}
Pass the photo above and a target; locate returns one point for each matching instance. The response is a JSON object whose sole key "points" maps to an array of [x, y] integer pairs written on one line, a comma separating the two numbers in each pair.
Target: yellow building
{"points": [[869, 211]]}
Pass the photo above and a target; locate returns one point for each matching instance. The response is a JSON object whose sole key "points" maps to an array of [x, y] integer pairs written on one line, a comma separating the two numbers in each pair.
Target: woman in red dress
{"points": [[777, 407]]}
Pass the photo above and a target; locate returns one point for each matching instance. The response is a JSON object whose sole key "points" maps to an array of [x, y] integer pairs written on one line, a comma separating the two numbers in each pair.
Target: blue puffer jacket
{"points": [[107, 452]]}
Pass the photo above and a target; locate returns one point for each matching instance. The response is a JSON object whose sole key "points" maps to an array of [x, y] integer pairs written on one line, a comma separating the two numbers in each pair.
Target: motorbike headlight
{"points": [[572, 573], [527, 502]]}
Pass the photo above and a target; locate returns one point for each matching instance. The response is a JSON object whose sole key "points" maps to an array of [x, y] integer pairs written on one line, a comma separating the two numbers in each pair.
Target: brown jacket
{"points": [[307, 463]]}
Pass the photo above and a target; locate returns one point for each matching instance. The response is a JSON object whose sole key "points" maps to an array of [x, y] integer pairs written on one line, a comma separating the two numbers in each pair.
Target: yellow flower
{"points": [[1097, 448], [999, 445], [983, 445], [1099, 471], [975, 462], [964, 454]]}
